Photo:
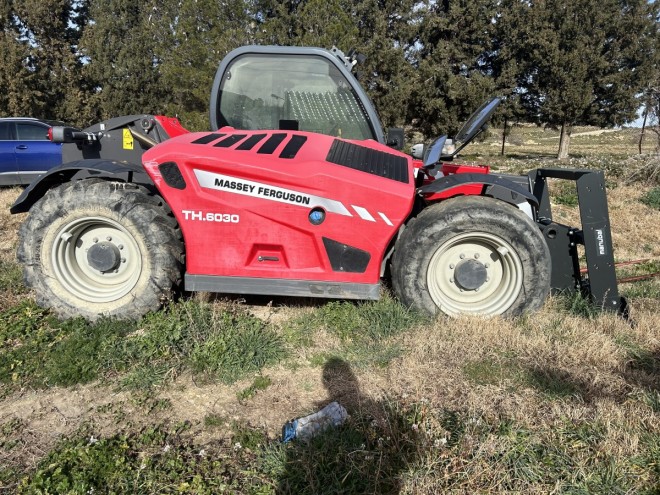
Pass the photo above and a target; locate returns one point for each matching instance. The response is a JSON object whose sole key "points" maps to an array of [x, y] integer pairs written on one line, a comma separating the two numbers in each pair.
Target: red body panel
{"points": [[464, 190], [245, 212], [171, 125]]}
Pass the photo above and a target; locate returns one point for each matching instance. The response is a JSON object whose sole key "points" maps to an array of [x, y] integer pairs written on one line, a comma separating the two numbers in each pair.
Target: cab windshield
{"points": [[306, 93]]}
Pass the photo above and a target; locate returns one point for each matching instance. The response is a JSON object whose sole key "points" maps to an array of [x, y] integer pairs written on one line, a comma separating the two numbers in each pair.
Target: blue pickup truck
{"points": [[25, 150]]}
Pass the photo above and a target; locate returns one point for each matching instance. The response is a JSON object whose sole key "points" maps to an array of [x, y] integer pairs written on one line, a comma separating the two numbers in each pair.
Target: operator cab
{"points": [[292, 88]]}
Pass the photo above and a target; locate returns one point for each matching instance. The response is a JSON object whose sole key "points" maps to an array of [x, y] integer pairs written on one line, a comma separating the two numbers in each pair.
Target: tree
{"points": [[586, 62], [120, 47], [388, 30], [453, 63], [41, 75], [194, 36], [382, 30]]}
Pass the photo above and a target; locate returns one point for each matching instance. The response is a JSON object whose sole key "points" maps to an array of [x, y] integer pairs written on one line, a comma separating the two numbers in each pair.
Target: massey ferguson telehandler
{"points": [[297, 191]]}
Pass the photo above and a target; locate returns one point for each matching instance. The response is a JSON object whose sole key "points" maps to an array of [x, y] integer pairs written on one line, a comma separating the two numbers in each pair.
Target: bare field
{"points": [[562, 400]]}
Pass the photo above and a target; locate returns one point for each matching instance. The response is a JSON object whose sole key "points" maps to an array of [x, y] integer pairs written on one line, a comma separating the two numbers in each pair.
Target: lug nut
{"points": [[462, 256], [476, 256], [123, 260], [451, 280], [451, 267], [95, 240], [121, 246], [108, 238], [487, 265]]}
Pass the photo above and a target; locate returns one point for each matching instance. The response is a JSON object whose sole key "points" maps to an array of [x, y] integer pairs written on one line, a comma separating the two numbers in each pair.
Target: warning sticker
{"points": [[128, 140]]}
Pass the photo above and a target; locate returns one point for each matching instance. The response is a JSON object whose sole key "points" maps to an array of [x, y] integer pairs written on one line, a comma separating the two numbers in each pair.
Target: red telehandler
{"points": [[298, 191]]}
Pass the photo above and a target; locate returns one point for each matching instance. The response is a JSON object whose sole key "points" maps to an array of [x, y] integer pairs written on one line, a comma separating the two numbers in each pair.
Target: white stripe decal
{"points": [[236, 185], [364, 214], [385, 219]]}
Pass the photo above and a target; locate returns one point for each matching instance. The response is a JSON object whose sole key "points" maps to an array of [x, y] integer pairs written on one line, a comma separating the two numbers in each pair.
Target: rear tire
{"points": [[472, 255], [95, 247]]}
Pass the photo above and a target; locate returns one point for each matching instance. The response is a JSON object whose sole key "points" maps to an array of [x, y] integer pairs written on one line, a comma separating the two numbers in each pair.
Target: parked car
{"points": [[25, 150]]}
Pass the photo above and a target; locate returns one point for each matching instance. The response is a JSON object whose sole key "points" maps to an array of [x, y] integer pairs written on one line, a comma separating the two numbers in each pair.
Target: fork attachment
{"points": [[598, 282]]}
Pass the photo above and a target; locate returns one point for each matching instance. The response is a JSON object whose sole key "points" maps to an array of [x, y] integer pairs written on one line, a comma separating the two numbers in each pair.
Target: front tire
{"points": [[94, 247], [472, 255]]}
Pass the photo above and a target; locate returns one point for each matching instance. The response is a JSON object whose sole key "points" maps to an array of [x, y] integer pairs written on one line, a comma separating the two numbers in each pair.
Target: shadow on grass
{"points": [[643, 368], [365, 455], [559, 383]]}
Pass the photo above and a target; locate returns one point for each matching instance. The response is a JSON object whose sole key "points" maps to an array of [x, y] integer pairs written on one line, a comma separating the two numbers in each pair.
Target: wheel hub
{"points": [[103, 256], [474, 272], [470, 274]]}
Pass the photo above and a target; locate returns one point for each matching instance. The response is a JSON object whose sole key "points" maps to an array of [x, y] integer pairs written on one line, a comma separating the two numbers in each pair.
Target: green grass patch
{"points": [[41, 351], [368, 331], [552, 382], [652, 198], [213, 421], [576, 304], [649, 289], [154, 461], [11, 277], [259, 383], [564, 193], [372, 321]]}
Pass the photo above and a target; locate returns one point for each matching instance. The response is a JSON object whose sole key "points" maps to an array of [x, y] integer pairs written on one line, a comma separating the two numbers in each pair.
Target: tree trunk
{"points": [[641, 134], [504, 136], [564, 141]]}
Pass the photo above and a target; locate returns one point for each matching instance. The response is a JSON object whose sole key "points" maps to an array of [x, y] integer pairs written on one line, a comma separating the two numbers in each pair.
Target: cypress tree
{"points": [[586, 62], [120, 48], [194, 37], [41, 75]]}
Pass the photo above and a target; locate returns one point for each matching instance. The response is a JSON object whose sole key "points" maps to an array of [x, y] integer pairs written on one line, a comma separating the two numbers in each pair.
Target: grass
{"points": [[192, 399], [40, 351], [652, 198], [408, 447]]}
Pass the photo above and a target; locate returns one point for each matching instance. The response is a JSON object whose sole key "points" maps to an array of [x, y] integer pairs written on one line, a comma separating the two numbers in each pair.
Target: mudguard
{"points": [[77, 170], [495, 186]]}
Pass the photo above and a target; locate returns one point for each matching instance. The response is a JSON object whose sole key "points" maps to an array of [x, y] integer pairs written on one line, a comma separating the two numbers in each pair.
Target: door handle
{"points": [[22, 147]]}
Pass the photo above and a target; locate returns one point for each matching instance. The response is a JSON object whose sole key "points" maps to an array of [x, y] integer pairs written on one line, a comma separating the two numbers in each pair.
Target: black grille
{"points": [[273, 142], [207, 139], [250, 142], [367, 160], [230, 141], [293, 147]]}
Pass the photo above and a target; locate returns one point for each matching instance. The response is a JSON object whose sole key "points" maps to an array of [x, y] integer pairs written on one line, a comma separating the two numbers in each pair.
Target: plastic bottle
{"points": [[307, 427]]}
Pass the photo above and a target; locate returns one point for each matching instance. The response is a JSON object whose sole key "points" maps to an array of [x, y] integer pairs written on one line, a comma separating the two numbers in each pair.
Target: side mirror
{"points": [[395, 137]]}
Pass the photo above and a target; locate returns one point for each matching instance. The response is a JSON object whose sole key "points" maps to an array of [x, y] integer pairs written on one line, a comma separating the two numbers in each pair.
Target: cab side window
{"points": [[305, 93], [31, 132]]}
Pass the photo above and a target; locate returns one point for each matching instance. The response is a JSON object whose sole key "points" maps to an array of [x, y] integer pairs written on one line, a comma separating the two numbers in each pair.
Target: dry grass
{"points": [[8, 224]]}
